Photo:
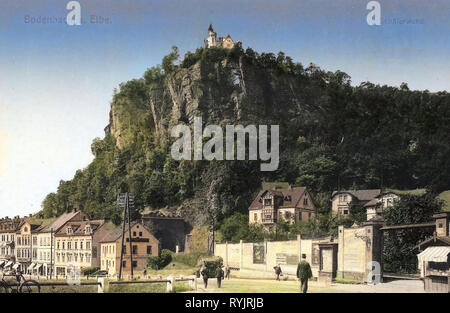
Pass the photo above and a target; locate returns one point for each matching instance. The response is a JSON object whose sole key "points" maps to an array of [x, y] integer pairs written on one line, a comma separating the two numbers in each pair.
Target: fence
{"points": [[103, 283]]}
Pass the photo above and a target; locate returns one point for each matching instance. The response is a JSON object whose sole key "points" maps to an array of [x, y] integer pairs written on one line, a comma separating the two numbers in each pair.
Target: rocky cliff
{"points": [[332, 135]]}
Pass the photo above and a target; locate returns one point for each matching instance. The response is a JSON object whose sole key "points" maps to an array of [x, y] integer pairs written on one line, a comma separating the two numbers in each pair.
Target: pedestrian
{"points": [[204, 273], [304, 273], [278, 271], [220, 275], [227, 272]]}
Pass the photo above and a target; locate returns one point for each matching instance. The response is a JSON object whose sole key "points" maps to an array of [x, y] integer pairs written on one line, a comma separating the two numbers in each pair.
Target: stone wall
{"points": [[358, 246], [265, 255]]}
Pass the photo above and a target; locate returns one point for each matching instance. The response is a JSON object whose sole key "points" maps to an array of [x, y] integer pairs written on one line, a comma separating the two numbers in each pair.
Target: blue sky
{"points": [[56, 81]]}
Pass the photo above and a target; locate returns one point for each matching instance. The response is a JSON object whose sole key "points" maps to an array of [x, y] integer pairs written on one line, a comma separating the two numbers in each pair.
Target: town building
{"points": [[289, 205], [386, 199], [144, 245], [8, 229], [215, 41], [43, 259], [77, 243], [24, 243], [376, 206], [343, 201], [37, 245]]}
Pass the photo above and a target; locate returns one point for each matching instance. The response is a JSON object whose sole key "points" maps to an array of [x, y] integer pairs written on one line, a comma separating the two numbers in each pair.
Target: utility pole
{"points": [[126, 201], [130, 202], [121, 201]]}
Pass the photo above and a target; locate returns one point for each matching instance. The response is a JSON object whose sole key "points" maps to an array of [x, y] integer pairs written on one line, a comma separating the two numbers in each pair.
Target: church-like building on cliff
{"points": [[215, 41]]}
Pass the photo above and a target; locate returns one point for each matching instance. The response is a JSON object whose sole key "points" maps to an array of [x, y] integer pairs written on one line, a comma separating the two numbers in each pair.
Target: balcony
{"points": [[268, 217]]}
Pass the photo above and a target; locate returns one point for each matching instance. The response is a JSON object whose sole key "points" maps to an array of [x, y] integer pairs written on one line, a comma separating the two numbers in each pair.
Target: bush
{"points": [[166, 258], [90, 270], [161, 261], [190, 259], [212, 264]]}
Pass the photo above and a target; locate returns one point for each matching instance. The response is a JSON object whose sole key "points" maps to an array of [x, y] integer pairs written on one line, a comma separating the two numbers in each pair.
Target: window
{"points": [[149, 250], [81, 245], [134, 264], [345, 212], [135, 249], [140, 234], [440, 225], [88, 230], [255, 217], [124, 248], [88, 245], [69, 230], [305, 201], [268, 202], [134, 234], [124, 264]]}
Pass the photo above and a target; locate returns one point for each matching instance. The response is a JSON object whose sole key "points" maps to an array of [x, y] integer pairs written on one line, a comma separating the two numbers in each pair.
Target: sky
{"points": [[57, 81]]}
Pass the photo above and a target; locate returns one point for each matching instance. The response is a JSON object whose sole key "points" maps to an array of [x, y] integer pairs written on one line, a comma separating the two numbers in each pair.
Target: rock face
{"points": [[222, 91], [225, 91]]}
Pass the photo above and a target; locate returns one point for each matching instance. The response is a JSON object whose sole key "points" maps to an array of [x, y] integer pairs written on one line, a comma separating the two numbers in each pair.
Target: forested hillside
{"points": [[332, 135]]}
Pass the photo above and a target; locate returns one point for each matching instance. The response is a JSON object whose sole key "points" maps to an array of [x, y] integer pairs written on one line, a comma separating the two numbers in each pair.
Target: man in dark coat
{"points": [[304, 273], [220, 275]]}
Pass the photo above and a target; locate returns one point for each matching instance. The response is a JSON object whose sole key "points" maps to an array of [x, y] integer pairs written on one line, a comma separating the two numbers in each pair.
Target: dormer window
{"points": [[88, 230], [69, 230], [268, 202]]}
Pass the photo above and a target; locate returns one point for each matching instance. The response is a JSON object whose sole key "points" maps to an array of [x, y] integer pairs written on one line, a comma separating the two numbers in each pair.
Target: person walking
{"points": [[304, 273], [220, 276], [278, 271], [204, 273], [227, 272]]}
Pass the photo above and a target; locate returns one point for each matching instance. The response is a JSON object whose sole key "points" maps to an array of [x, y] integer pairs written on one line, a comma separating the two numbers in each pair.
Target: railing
{"points": [[102, 283]]}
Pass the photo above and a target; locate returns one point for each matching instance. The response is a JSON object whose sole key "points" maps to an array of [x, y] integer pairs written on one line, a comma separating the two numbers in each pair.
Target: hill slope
{"points": [[332, 135]]}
